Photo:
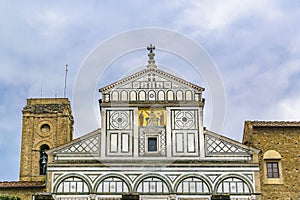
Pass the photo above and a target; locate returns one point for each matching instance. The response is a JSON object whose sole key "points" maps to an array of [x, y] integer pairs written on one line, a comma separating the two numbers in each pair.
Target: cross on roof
{"points": [[151, 61], [151, 48]]}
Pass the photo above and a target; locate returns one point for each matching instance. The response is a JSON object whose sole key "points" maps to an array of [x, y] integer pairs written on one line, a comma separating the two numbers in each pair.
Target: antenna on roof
{"points": [[65, 89], [42, 89]]}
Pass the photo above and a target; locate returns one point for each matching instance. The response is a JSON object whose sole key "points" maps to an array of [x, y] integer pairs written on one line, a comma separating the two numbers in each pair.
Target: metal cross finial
{"points": [[151, 48], [151, 61]]}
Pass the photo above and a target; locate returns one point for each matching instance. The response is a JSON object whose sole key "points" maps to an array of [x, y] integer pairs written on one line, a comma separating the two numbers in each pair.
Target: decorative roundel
{"points": [[119, 120], [45, 128], [184, 119]]}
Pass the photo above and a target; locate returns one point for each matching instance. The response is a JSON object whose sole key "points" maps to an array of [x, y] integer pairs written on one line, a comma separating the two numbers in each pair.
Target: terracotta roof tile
{"points": [[21, 184], [275, 123]]}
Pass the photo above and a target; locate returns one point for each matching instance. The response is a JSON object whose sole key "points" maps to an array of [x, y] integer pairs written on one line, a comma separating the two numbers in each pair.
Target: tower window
{"points": [[45, 128], [272, 170], [43, 159], [152, 144]]}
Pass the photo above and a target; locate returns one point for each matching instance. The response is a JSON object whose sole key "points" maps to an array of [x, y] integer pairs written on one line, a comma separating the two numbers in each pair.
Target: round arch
{"points": [[198, 176], [124, 96], [170, 95], [43, 142], [179, 95], [113, 175], [152, 95], [162, 178], [68, 176], [115, 95], [242, 178], [271, 154], [161, 95]]}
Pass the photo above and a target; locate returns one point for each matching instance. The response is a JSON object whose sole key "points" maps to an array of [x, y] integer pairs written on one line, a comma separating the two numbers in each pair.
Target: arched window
{"points": [[43, 159], [193, 185], [112, 185], [132, 96], [73, 185], [124, 96], [188, 95], [170, 95], [272, 167], [152, 185], [161, 95], [179, 95], [233, 186], [142, 96], [115, 96]]}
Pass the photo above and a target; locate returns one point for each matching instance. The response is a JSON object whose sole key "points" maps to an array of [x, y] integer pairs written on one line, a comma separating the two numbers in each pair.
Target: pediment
{"points": [[151, 78]]}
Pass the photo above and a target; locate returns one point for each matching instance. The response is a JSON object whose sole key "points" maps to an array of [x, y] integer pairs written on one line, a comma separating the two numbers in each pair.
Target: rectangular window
{"points": [[152, 144], [272, 170]]}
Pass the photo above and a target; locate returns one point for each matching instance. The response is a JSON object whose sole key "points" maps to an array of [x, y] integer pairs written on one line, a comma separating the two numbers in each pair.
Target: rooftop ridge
{"points": [[273, 123]]}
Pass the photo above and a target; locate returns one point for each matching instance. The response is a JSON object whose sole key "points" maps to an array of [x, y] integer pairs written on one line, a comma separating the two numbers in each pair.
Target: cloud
{"points": [[206, 16], [287, 107]]}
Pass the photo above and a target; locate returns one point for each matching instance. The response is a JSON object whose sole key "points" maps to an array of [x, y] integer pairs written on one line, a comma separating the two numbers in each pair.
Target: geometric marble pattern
{"points": [[119, 119], [219, 146], [213, 177], [92, 177], [89, 145], [184, 119]]}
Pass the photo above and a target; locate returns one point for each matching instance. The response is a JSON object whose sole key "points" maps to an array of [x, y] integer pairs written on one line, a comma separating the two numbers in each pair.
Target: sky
{"points": [[255, 46]]}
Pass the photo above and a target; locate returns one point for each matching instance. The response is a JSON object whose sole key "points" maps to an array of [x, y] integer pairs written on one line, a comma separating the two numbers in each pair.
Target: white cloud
{"points": [[288, 109], [48, 22], [206, 16]]}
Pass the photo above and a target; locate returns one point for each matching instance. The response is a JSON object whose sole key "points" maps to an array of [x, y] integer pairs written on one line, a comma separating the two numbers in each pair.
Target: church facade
{"points": [[152, 144]]}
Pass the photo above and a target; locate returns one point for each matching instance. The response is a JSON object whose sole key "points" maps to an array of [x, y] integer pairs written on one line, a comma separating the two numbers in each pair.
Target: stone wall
{"points": [[284, 138], [46, 121], [22, 189], [24, 194]]}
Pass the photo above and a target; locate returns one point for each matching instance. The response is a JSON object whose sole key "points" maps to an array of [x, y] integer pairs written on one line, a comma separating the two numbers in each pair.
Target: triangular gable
{"points": [[218, 145], [164, 76], [86, 145]]}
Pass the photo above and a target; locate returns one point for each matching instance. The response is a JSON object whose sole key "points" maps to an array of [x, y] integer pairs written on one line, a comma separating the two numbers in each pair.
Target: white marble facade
{"points": [[153, 142]]}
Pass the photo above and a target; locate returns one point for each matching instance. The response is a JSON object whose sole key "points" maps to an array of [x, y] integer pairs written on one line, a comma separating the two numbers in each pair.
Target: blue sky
{"points": [[254, 44]]}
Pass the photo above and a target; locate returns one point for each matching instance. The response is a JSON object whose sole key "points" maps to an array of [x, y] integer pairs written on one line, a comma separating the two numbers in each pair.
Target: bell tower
{"points": [[46, 123]]}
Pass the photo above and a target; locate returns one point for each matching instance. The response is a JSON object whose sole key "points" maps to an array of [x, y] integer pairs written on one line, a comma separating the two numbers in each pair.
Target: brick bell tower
{"points": [[46, 123]]}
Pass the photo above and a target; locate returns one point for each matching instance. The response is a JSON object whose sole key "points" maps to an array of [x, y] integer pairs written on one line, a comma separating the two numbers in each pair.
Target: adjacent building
{"points": [[279, 158]]}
